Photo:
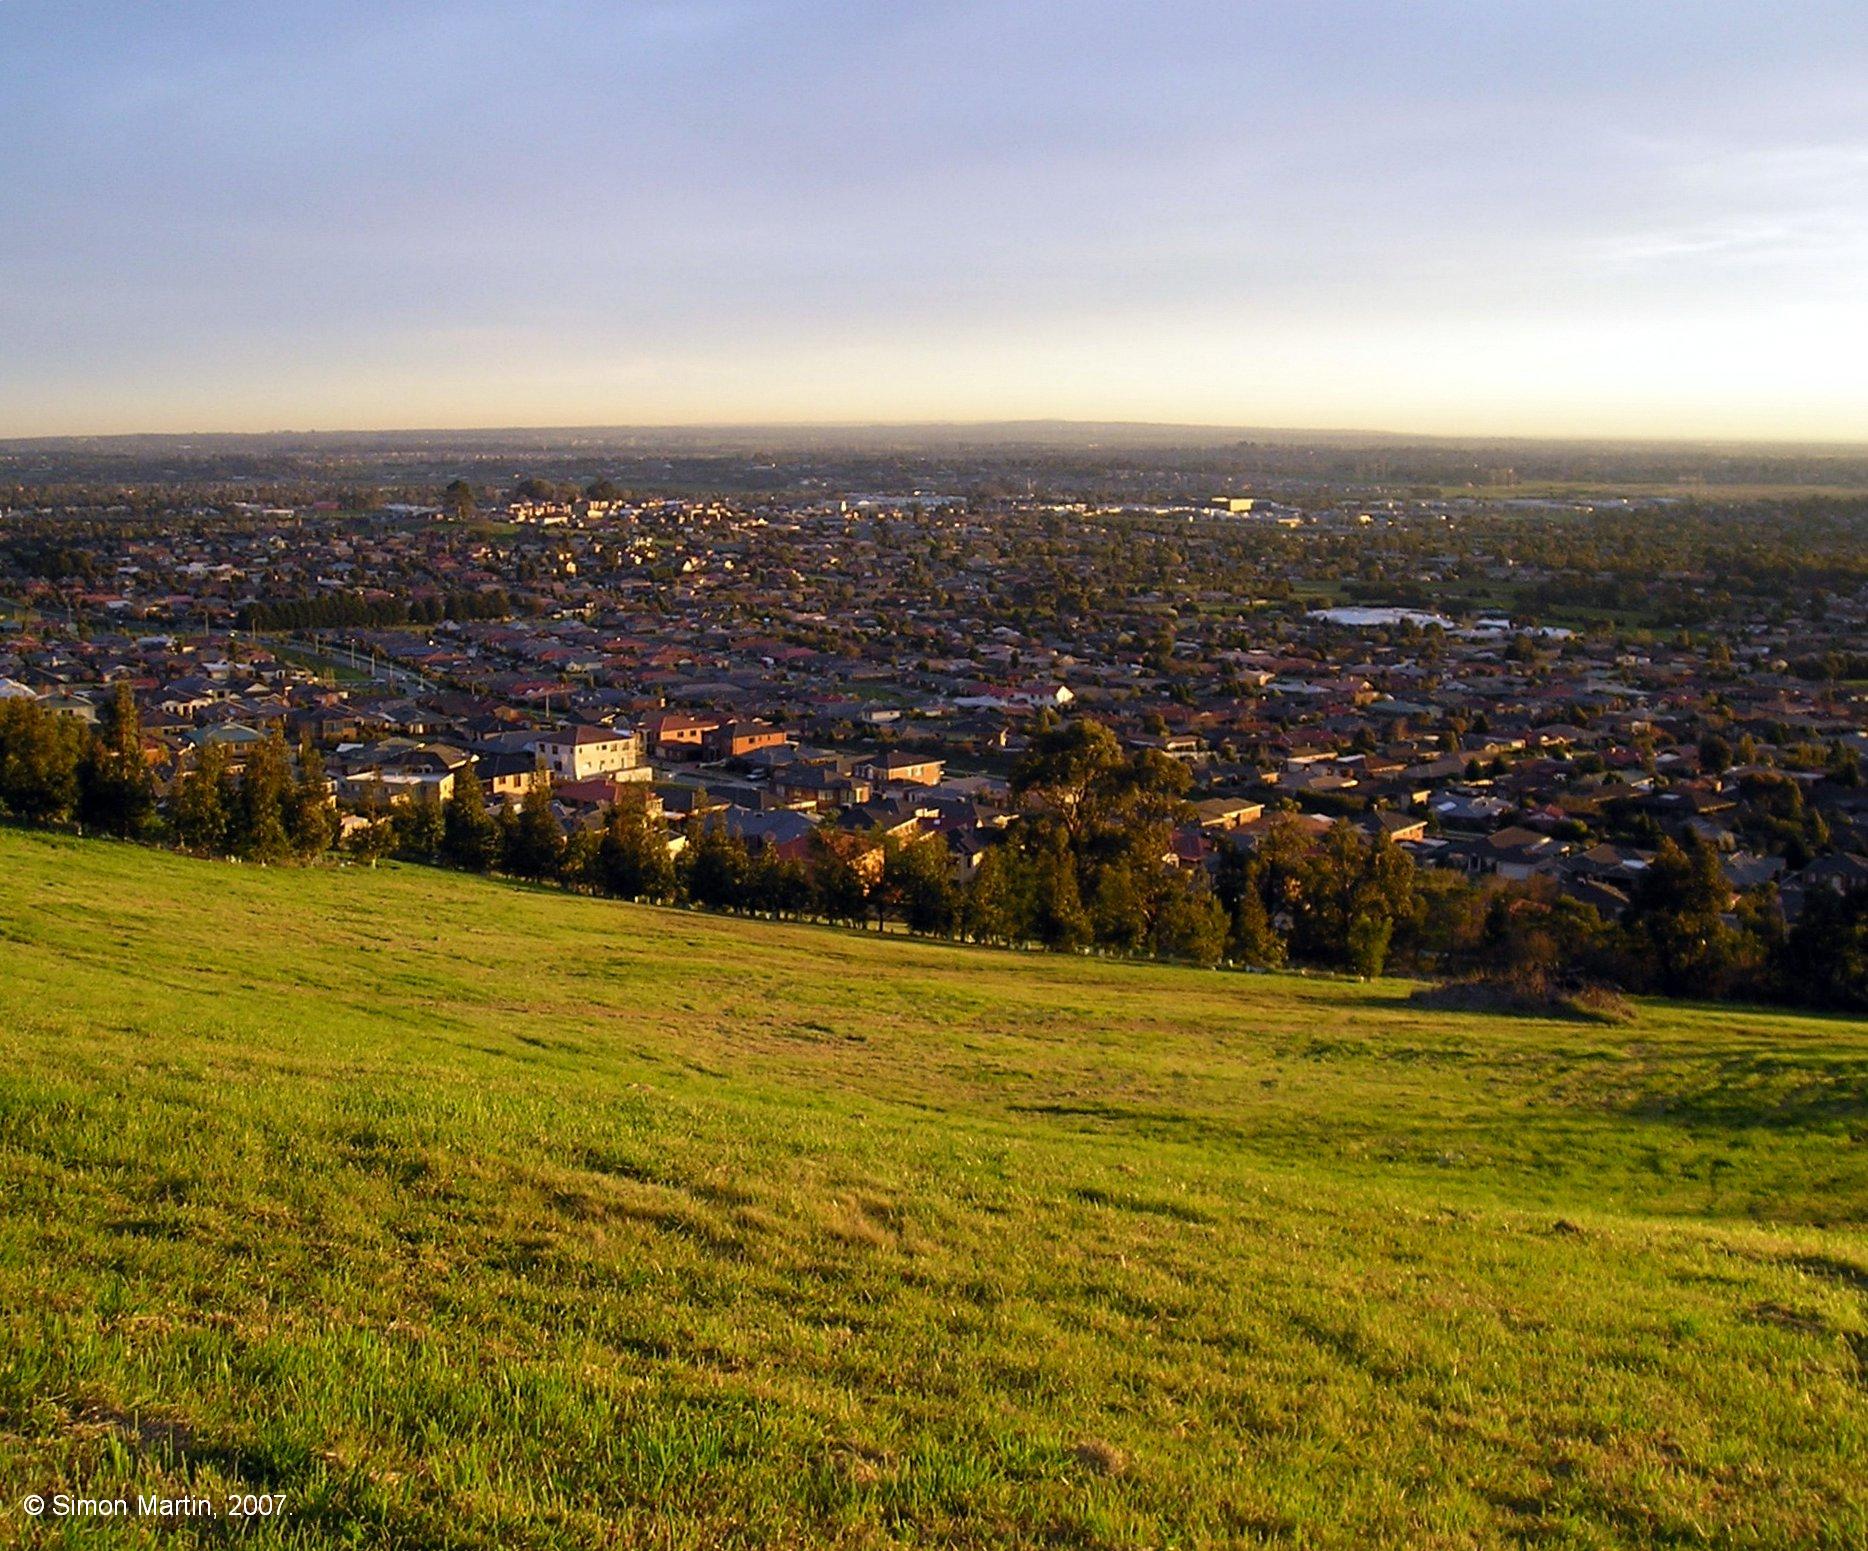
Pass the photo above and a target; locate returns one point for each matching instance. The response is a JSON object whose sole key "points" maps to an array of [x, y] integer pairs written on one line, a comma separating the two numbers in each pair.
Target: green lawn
{"points": [[335, 668], [469, 1215]]}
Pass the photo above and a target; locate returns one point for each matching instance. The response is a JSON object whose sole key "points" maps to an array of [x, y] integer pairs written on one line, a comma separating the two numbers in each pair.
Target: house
{"points": [[506, 774], [1604, 897], [232, 736], [735, 740], [1398, 827], [783, 833], [884, 817], [815, 786], [581, 752], [1183, 746], [1225, 813], [75, 706], [967, 848], [1519, 853], [895, 768], [599, 793], [690, 800], [678, 734], [1460, 810], [399, 769]]}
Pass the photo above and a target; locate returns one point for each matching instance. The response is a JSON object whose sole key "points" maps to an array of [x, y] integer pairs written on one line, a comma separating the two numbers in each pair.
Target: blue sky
{"points": [[1638, 218]]}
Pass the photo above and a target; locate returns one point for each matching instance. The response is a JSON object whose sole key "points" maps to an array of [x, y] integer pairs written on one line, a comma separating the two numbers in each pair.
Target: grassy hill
{"points": [[467, 1215]]}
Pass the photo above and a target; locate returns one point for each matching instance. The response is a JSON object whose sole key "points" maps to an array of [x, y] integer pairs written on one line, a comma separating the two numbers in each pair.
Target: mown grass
{"points": [[468, 1215]]}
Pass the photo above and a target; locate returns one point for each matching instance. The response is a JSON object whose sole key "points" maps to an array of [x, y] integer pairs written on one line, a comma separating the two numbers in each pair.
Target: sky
{"points": [[1639, 218]]}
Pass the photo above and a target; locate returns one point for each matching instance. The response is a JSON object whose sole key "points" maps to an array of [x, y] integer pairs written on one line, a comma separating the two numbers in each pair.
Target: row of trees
{"points": [[1086, 867], [630, 857], [271, 805], [337, 610]]}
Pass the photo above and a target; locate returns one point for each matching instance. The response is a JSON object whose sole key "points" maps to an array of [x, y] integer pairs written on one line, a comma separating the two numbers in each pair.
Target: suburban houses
{"points": [[798, 665]]}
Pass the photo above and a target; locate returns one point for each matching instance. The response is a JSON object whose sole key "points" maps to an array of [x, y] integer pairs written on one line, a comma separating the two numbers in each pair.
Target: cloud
{"points": [[231, 207]]}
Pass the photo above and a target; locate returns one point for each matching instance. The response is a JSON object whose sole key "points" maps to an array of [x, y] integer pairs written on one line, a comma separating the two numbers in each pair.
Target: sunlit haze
{"points": [[1608, 219]]}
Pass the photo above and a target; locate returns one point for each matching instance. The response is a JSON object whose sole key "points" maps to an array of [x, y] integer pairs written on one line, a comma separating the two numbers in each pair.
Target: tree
{"points": [[714, 868], [420, 826], [1253, 941], [117, 789], [1106, 818], [777, 885], [1330, 886], [505, 832], [1121, 909], [469, 837], [839, 891], [40, 753], [534, 844], [1109, 805], [1068, 772], [577, 863], [198, 809], [997, 906], [632, 855], [1189, 925], [1367, 942], [918, 886], [1678, 940], [310, 813], [1058, 918], [1823, 961], [256, 828], [458, 500], [532, 488], [372, 840]]}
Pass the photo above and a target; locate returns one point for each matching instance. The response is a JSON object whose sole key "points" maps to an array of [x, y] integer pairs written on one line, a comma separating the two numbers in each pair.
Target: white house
{"points": [[579, 753]]}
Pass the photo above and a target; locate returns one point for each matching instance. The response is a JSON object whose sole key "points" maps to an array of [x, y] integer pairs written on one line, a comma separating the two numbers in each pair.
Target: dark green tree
{"points": [[1189, 924], [1123, 906], [40, 754], [1679, 942], [256, 828], [198, 807], [310, 812], [839, 891], [458, 500], [117, 789], [997, 905], [776, 885], [1823, 960], [534, 844], [714, 868], [1253, 940], [1369, 934], [420, 825], [632, 855], [1058, 917], [469, 835], [918, 887]]}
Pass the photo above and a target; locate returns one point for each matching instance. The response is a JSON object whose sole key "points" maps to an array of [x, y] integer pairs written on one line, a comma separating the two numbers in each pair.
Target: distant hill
{"points": [[884, 436], [464, 1214]]}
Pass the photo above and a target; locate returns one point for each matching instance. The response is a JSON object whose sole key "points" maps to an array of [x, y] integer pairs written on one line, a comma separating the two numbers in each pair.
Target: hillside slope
{"points": [[468, 1215]]}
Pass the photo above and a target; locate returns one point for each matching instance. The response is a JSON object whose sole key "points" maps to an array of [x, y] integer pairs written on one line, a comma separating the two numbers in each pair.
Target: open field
{"points": [[469, 1215], [334, 669]]}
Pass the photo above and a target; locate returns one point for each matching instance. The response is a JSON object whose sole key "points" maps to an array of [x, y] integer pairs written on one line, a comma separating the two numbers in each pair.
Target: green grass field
{"points": [[469, 1215]]}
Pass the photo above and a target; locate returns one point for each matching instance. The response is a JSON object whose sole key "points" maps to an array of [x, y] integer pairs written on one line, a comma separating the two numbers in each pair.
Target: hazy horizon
{"points": [[1585, 222], [1067, 432]]}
